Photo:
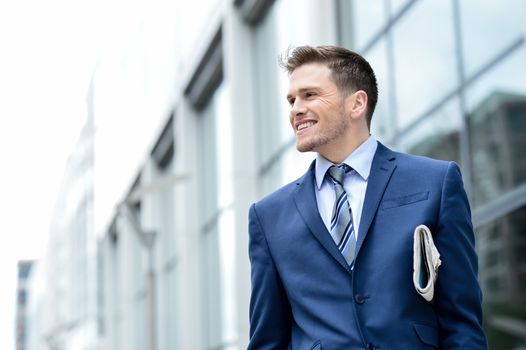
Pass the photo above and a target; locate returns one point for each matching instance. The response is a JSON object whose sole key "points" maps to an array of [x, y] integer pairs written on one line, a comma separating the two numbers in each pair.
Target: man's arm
{"points": [[458, 294], [270, 315]]}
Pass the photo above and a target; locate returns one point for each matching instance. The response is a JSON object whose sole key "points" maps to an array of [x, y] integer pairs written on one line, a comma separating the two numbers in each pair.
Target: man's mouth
{"points": [[304, 125]]}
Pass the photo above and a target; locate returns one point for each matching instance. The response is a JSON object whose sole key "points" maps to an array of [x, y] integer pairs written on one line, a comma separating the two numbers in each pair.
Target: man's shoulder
{"points": [[420, 161], [415, 164], [417, 169], [411, 160]]}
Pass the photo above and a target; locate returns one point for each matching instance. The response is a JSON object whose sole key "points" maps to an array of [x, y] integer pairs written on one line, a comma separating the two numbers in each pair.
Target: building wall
{"points": [[193, 128]]}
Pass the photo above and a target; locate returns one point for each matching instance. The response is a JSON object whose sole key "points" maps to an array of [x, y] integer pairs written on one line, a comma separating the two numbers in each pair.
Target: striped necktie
{"points": [[342, 228]]}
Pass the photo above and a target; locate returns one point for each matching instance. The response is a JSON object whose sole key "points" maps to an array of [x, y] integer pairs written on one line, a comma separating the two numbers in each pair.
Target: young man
{"points": [[332, 253]]}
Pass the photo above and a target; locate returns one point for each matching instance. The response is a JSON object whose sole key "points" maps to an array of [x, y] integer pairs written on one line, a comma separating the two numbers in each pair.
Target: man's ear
{"points": [[357, 104]]}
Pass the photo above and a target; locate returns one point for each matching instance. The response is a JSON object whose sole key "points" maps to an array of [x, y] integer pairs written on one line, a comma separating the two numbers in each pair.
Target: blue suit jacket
{"points": [[304, 296]]}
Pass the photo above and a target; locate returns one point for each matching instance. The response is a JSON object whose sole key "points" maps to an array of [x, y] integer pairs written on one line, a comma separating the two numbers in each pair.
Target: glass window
{"points": [[165, 216], [223, 148], [363, 19], [227, 264], [274, 36], [497, 125], [382, 125], [269, 104], [397, 5], [270, 179], [501, 245], [424, 55], [211, 293], [218, 232], [207, 145], [193, 21], [489, 29], [295, 164], [168, 309], [225, 223], [166, 251], [437, 136]]}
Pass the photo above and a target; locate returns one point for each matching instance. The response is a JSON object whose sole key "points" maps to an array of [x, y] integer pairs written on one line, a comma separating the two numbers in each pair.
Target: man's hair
{"points": [[350, 71]]}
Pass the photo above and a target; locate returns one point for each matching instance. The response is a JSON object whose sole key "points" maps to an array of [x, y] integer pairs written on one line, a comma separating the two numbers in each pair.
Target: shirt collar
{"points": [[360, 160]]}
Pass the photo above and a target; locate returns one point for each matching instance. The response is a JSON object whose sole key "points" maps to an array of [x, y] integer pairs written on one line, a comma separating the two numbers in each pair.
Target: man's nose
{"points": [[298, 107]]}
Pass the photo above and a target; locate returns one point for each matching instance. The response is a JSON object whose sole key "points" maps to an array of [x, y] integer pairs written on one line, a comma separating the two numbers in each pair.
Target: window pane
{"points": [[207, 179], [268, 101], [218, 232], [274, 36], [166, 252], [270, 180], [502, 275], [227, 264], [425, 68], [367, 18], [294, 164], [488, 29], [223, 150], [497, 126], [396, 5], [193, 19], [211, 272], [382, 122], [437, 136]]}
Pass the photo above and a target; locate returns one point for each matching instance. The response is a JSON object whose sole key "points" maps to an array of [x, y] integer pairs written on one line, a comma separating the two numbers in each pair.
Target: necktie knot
{"points": [[337, 173]]}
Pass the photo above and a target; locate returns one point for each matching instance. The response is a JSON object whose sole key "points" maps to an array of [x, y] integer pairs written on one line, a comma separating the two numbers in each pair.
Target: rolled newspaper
{"points": [[426, 260]]}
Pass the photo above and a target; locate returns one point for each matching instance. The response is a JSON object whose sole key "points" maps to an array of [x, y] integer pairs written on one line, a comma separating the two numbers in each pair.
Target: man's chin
{"points": [[301, 147]]}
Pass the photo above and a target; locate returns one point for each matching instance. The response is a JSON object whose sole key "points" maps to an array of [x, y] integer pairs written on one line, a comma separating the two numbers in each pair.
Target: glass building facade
{"points": [[452, 83]]}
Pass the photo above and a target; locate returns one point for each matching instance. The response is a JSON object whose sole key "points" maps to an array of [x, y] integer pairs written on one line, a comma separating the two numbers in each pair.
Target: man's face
{"points": [[318, 114]]}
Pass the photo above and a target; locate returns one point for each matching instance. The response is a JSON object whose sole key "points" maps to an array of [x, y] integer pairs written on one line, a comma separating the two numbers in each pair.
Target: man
{"points": [[332, 253]]}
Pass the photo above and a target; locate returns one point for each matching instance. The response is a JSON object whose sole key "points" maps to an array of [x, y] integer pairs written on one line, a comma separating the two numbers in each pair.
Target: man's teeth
{"points": [[305, 125]]}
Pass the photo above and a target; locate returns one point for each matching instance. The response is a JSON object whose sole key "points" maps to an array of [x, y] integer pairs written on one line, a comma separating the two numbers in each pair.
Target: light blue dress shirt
{"points": [[355, 182]]}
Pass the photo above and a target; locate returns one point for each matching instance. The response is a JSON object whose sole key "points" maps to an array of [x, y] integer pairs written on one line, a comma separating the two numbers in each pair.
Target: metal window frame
{"points": [[208, 74], [253, 11], [163, 151]]}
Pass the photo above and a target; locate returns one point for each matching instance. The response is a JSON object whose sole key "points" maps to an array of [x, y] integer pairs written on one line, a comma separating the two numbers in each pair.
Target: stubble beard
{"points": [[323, 138]]}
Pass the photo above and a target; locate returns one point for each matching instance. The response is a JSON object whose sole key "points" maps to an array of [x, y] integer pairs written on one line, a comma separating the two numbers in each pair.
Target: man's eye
{"points": [[291, 101], [310, 94]]}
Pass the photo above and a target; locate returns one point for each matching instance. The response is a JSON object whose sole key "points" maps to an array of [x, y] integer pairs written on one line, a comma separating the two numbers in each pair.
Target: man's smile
{"points": [[304, 124]]}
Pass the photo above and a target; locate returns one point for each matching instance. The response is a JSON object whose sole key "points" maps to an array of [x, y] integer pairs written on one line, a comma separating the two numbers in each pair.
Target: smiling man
{"points": [[332, 252]]}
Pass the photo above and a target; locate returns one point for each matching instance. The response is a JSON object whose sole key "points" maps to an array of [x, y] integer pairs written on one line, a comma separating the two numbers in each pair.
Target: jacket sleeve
{"points": [[270, 314], [458, 298]]}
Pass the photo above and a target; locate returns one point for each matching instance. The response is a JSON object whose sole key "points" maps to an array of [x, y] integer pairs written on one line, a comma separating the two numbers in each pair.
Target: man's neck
{"points": [[336, 153]]}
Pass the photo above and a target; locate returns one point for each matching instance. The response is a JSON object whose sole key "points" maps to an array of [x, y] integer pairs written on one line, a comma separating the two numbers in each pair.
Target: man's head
{"points": [[350, 71], [329, 97]]}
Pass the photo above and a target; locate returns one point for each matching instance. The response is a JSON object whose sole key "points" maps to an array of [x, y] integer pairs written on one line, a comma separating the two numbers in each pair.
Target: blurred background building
{"points": [[63, 290], [187, 126]]}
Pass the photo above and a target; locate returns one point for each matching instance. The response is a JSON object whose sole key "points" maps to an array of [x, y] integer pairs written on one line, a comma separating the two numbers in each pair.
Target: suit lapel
{"points": [[305, 199], [381, 170]]}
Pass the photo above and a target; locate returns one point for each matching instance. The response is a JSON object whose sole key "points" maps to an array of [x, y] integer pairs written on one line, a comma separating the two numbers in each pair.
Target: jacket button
{"points": [[370, 347], [359, 299]]}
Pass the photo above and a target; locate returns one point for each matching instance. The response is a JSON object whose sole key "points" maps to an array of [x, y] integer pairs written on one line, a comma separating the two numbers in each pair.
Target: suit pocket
{"points": [[316, 346], [404, 200], [427, 334]]}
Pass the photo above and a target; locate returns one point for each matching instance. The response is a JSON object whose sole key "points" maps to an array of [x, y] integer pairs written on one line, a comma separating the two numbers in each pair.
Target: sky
{"points": [[48, 53]]}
